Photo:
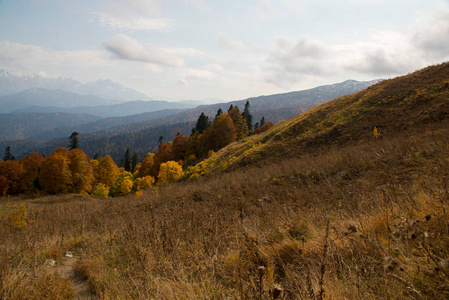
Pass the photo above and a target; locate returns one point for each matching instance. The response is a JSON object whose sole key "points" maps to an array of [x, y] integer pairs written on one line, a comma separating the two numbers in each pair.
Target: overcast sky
{"points": [[224, 50]]}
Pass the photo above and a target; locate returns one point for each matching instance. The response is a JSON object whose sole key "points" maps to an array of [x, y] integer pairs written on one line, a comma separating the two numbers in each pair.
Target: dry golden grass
{"points": [[251, 234]]}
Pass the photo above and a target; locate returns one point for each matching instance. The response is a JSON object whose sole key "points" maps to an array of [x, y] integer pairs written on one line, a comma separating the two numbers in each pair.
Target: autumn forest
{"points": [[70, 170]]}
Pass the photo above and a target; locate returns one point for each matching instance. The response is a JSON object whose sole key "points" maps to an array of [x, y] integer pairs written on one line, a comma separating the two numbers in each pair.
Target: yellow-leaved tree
{"points": [[81, 170], [169, 172], [126, 186], [107, 171], [146, 182]]}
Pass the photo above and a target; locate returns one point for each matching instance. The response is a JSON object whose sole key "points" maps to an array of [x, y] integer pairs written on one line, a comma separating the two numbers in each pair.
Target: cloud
{"points": [[132, 15], [138, 23], [198, 74], [265, 10], [126, 48], [15, 55], [200, 5], [293, 59], [227, 42], [434, 36]]}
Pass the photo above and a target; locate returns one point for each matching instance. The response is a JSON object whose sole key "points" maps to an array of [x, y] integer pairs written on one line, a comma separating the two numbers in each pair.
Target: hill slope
{"points": [[392, 106]]}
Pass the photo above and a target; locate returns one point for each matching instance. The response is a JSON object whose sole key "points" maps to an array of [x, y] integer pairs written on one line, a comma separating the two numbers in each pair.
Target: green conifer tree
{"points": [[8, 155], [74, 141], [248, 117], [202, 123], [127, 160], [135, 160]]}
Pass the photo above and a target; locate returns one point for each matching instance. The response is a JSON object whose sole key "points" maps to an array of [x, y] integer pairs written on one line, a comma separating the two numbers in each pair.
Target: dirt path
{"points": [[66, 269]]}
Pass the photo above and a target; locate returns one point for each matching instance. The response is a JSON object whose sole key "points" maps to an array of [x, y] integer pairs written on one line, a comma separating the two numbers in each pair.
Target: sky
{"points": [[222, 50]]}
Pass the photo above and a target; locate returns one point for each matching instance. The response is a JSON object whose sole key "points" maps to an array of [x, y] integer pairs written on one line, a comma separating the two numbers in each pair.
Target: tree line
{"points": [[69, 170]]}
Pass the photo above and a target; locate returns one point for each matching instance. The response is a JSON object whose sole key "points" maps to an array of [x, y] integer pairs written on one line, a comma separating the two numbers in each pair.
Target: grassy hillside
{"points": [[396, 106], [312, 215]]}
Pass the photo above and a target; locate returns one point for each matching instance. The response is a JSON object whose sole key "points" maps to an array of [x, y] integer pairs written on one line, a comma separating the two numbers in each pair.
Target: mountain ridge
{"points": [[14, 82]]}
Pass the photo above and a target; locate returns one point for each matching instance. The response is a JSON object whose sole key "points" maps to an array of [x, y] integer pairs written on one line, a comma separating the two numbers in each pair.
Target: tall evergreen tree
{"points": [[127, 160], [74, 141], [161, 140], [8, 155], [219, 113], [230, 108], [202, 123], [248, 117], [135, 160], [262, 122]]}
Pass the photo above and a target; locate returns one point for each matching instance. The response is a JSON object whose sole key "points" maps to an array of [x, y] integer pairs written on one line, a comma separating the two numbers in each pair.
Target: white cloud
{"points": [[227, 42], [15, 55], [126, 48], [137, 23], [198, 74], [133, 15]]}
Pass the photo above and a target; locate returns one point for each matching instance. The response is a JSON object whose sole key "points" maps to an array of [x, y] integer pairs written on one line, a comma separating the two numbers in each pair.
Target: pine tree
{"points": [[219, 113], [74, 141], [8, 155], [127, 160], [262, 121], [202, 123], [230, 108], [135, 160], [248, 117], [161, 140]]}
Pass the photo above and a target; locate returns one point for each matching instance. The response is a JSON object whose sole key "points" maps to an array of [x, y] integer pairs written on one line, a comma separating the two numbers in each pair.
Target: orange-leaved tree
{"points": [[30, 164], [10, 173], [55, 176], [163, 155], [146, 166]]}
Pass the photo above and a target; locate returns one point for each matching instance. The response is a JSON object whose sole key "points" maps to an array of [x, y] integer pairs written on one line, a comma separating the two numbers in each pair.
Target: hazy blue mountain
{"points": [[13, 82], [38, 100], [21, 126], [106, 125], [44, 97]]}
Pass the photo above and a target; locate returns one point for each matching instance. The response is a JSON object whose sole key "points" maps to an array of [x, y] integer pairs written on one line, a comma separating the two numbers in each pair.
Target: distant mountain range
{"points": [[138, 131], [14, 82]]}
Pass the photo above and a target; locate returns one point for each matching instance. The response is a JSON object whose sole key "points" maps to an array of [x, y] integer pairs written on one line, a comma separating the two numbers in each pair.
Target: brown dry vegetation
{"points": [[364, 220]]}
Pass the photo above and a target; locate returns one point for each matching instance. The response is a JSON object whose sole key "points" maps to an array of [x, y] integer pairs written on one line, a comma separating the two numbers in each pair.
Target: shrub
{"points": [[169, 172], [19, 218], [102, 191], [126, 186], [146, 182]]}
